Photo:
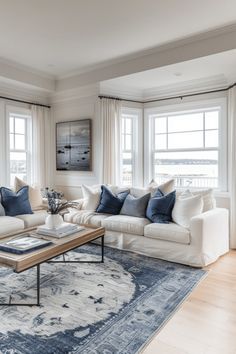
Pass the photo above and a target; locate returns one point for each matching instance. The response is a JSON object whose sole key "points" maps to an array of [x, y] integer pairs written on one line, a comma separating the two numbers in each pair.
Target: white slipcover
{"points": [[9, 224], [31, 220], [168, 232], [127, 224], [86, 217], [201, 244]]}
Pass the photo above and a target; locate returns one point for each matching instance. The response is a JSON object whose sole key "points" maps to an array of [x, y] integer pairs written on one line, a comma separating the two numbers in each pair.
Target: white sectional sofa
{"points": [[202, 243]]}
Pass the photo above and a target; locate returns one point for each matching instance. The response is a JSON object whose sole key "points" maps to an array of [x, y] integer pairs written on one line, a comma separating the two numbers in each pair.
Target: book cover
{"points": [[23, 244]]}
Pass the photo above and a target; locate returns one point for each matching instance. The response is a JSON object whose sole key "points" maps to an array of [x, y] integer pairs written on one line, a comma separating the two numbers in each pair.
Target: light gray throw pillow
{"points": [[135, 206]]}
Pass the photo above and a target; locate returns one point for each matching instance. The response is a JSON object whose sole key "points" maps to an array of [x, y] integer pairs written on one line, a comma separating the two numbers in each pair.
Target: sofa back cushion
{"points": [[16, 203], [91, 197], [207, 195], [165, 188], [111, 203], [35, 196], [160, 207], [185, 209], [138, 192], [135, 206]]}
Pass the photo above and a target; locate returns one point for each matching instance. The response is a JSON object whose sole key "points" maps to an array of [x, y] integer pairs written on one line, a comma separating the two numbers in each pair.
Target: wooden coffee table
{"points": [[20, 263]]}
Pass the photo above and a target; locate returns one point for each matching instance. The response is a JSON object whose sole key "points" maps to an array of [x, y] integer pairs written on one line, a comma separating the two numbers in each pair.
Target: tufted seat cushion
{"points": [[127, 224], [168, 232]]}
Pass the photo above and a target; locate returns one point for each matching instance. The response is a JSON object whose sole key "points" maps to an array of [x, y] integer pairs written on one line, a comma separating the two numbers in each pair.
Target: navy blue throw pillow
{"points": [[160, 207], [110, 203], [16, 203]]}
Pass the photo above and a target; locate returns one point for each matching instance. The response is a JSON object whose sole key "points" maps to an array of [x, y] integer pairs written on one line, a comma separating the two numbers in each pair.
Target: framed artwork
{"points": [[73, 145]]}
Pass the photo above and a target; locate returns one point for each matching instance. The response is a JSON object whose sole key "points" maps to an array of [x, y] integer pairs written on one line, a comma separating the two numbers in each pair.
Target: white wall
{"points": [[78, 108]]}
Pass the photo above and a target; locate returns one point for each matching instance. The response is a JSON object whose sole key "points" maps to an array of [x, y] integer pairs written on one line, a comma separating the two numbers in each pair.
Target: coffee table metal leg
{"points": [[27, 304], [38, 285], [102, 245]]}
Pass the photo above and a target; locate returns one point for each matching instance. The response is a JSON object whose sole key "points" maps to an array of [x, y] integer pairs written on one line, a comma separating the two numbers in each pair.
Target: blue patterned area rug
{"points": [[109, 308]]}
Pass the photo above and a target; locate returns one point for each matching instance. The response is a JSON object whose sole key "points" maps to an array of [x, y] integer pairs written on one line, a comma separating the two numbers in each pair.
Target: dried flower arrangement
{"points": [[55, 202]]}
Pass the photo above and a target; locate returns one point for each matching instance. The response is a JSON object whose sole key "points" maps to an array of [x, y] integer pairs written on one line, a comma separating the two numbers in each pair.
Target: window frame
{"points": [[137, 144], [194, 106], [25, 114]]}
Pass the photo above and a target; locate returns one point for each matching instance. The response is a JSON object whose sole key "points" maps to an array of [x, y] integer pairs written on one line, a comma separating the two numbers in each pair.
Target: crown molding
{"points": [[27, 68], [118, 90], [75, 94], [18, 92], [168, 45], [200, 45], [186, 87], [20, 74], [85, 84]]}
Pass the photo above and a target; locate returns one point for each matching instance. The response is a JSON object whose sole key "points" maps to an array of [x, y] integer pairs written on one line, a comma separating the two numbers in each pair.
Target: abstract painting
{"points": [[73, 145]]}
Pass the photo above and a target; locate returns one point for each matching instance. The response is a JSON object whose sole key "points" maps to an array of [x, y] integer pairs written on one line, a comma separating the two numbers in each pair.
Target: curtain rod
{"points": [[171, 98], [21, 101]]}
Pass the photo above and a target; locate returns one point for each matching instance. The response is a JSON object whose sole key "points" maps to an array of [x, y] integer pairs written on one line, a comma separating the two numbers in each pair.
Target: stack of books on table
{"points": [[64, 229]]}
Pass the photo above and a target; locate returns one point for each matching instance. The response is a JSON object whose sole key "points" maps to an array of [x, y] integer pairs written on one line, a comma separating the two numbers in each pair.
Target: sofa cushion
{"points": [[168, 232], [16, 203], [85, 217], [110, 203], [138, 192], [166, 187], [9, 225], [160, 207], [35, 196], [207, 195], [185, 209], [208, 199], [97, 219], [31, 220], [135, 206], [91, 197], [124, 223]]}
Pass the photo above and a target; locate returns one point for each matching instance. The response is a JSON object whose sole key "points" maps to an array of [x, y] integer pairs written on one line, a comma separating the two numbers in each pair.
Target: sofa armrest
{"points": [[210, 233]]}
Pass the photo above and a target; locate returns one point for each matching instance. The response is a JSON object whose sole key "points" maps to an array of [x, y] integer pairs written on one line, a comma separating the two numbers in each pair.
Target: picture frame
{"points": [[74, 145]]}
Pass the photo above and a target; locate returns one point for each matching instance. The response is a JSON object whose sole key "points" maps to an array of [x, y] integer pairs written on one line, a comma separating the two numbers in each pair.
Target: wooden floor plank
{"points": [[206, 322]]}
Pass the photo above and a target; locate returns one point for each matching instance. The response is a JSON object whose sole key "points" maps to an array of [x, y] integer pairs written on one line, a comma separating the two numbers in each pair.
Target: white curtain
{"points": [[41, 146], [232, 163], [110, 111]]}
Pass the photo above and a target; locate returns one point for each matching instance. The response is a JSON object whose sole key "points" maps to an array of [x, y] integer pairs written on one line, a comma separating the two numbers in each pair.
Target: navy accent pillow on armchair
{"points": [[16, 203], [110, 203], [160, 207]]}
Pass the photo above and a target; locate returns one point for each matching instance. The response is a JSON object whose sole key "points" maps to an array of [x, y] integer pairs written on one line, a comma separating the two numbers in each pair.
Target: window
{"points": [[131, 146], [127, 150], [188, 146], [19, 147]]}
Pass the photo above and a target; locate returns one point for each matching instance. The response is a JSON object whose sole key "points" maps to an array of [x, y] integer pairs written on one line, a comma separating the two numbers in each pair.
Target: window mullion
{"points": [[204, 130], [167, 134]]}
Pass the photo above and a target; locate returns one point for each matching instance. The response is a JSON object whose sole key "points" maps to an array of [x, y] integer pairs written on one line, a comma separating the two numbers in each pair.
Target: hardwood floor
{"points": [[206, 322]]}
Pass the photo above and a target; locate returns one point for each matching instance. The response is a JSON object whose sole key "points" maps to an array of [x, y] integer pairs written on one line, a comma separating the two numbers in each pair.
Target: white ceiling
{"points": [[214, 69], [60, 37]]}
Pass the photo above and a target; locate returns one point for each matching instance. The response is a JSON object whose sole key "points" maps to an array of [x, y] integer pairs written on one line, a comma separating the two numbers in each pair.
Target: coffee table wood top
{"points": [[28, 260]]}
